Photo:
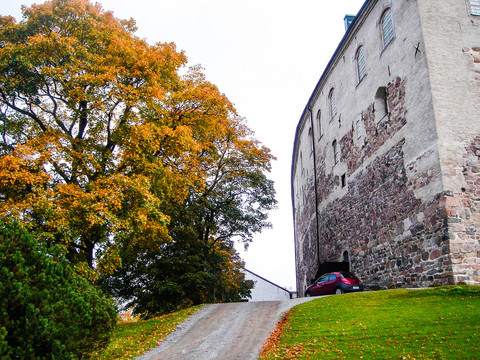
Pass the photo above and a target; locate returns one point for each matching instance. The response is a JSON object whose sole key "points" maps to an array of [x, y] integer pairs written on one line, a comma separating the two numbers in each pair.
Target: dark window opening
{"points": [[319, 121], [328, 267], [381, 103]]}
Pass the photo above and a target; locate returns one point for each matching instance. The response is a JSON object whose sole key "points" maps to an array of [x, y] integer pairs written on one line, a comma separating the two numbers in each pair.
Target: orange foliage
{"points": [[100, 132], [272, 343]]}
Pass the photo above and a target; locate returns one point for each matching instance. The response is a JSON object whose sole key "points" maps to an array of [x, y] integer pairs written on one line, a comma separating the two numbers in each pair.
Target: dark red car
{"points": [[334, 283]]}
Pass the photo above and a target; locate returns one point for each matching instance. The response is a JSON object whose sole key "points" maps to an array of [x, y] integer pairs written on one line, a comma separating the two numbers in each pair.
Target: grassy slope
{"points": [[396, 324], [132, 339]]}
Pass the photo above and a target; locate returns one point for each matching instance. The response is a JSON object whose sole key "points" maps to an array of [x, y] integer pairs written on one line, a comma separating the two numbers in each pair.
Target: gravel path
{"points": [[234, 331]]}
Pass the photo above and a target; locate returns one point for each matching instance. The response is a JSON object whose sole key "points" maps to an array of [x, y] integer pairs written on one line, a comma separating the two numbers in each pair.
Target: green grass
{"points": [[439, 323], [131, 339]]}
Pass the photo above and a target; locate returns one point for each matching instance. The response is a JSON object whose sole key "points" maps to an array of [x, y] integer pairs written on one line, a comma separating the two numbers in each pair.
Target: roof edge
{"points": [[347, 37], [270, 282]]}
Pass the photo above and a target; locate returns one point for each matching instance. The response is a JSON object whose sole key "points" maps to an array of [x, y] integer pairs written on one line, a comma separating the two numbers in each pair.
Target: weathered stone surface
{"points": [[402, 196]]}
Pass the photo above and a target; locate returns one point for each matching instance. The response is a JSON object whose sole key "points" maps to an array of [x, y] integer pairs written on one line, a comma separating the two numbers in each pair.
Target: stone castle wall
{"points": [[393, 237], [452, 46], [463, 218], [403, 198]]}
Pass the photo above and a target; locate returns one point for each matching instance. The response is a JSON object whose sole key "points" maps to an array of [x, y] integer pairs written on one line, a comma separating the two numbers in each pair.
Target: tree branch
{"points": [[32, 115]]}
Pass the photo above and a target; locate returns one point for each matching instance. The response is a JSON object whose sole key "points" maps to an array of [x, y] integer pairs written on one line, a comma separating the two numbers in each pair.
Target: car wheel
{"points": [[308, 294], [338, 291]]}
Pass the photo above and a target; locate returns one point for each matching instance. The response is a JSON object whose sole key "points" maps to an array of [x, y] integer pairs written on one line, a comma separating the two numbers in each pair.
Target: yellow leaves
{"points": [[14, 172], [113, 137], [22, 180], [86, 272], [109, 261], [271, 344]]}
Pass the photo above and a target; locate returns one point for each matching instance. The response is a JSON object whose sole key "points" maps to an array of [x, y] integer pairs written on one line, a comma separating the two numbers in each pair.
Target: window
{"points": [[322, 279], [310, 138], [344, 180], [381, 103], [332, 277], [335, 151], [332, 103], [319, 121], [387, 28], [359, 129], [361, 66], [475, 7]]}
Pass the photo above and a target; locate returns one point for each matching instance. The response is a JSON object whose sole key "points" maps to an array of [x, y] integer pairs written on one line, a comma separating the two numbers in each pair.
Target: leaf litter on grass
{"points": [[396, 324], [132, 339]]}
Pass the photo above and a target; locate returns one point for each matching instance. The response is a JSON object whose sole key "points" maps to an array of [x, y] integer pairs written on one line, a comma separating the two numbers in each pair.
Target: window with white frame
{"points": [[361, 66], [387, 28], [475, 7], [332, 103], [359, 129]]}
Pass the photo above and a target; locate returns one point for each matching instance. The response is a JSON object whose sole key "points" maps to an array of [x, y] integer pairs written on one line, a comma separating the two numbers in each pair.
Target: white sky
{"points": [[266, 56]]}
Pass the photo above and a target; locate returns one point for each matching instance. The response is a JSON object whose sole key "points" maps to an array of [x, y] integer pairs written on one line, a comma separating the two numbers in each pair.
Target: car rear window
{"points": [[348, 276]]}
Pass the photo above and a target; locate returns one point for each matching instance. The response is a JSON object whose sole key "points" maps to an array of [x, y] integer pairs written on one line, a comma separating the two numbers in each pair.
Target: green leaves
{"points": [[108, 152], [106, 137], [47, 310], [74, 82]]}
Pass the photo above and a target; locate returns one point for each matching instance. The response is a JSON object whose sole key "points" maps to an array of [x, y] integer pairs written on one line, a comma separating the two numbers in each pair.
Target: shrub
{"points": [[47, 310]]}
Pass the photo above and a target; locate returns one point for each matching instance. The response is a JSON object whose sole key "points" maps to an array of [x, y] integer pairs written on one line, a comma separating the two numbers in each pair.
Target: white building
{"points": [[265, 290]]}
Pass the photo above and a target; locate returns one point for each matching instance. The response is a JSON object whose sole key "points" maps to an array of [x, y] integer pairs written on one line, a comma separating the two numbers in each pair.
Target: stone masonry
{"points": [[389, 181]]}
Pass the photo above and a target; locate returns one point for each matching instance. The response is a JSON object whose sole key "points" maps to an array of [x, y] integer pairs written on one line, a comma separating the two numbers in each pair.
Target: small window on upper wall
{"points": [[361, 66], [387, 28], [475, 7], [319, 121], [310, 138], [332, 103], [359, 129], [335, 152]]}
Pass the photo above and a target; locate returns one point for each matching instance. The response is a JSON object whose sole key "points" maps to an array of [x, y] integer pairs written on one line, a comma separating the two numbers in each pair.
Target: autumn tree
{"points": [[81, 121], [100, 133], [200, 264]]}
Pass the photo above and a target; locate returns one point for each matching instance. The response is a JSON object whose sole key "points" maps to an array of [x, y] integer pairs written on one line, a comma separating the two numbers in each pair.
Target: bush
{"points": [[47, 311], [180, 274]]}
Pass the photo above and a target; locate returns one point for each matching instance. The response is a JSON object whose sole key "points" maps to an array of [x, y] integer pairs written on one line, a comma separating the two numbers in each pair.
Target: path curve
{"points": [[234, 331]]}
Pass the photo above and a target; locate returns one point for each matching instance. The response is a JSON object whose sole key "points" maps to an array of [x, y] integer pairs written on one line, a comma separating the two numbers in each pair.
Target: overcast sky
{"points": [[266, 56]]}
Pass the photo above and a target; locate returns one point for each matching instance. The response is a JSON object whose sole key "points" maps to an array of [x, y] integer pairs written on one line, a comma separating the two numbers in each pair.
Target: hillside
{"points": [[441, 323]]}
